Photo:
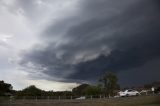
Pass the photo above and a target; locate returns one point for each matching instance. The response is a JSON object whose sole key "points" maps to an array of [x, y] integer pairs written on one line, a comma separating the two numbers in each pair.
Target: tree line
{"points": [[107, 86]]}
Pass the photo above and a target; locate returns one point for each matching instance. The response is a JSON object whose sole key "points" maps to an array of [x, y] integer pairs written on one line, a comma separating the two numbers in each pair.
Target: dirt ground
{"points": [[127, 101]]}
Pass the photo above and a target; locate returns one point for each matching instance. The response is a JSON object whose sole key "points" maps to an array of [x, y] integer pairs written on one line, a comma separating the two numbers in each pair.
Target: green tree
{"points": [[80, 90], [31, 91], [5, 88], [92, 90], [109, 82]]}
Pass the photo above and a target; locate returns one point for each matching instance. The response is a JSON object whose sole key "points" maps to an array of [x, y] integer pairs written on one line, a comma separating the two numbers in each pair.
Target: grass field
{"points": [[129, 101]]}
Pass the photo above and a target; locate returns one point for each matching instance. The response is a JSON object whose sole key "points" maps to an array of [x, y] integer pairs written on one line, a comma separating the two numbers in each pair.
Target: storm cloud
{"points": [[96, 36]]}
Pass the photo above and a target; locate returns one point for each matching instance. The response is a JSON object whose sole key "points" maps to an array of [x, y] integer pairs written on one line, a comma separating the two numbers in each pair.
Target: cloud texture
{"points": [[95, 36]]}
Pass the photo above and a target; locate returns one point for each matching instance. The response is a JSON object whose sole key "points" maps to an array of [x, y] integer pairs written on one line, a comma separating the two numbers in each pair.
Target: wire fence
{"points": [[36, 98]]}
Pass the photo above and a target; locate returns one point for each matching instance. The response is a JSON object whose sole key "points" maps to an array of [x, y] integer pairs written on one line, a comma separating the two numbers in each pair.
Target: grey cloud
{"points": [[104, 35], [146, 73], [3, 44], [29, 8]]}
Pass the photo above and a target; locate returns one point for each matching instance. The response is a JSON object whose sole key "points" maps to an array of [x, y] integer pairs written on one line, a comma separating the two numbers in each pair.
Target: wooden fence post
{"points": [[24, 98], [48, 98], [91, 97], [36, 98]]}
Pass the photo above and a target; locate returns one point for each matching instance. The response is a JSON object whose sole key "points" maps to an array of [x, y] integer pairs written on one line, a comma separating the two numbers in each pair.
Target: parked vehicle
{"points": [[128, 92], [80, 98]]}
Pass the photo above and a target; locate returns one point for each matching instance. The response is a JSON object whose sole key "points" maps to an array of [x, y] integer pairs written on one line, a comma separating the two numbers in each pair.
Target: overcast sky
{"points": [[58, 44]]}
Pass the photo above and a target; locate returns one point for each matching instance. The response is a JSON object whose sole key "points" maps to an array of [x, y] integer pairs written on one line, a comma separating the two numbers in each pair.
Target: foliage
{"points": [[109, 81], [80, 90], [30, 91], [5, 88], [86, 89], [34, 91], [92, 90]]}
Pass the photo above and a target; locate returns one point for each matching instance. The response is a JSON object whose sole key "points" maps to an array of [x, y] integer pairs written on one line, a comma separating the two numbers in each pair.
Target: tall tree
{"points": [[30, 91], [80, 90], [92, 90], [5, 88], [109, 82]]}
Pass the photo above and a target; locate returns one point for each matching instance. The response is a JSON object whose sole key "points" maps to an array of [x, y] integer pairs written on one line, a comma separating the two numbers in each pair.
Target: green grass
{"points": [[130, 101]]}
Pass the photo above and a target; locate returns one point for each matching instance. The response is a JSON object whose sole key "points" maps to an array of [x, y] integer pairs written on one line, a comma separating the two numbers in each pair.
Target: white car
{"points": [[129, 92], [81, 98]]}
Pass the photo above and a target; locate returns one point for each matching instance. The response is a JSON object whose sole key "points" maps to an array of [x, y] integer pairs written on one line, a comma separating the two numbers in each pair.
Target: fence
{"points": [[36, 98]]}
